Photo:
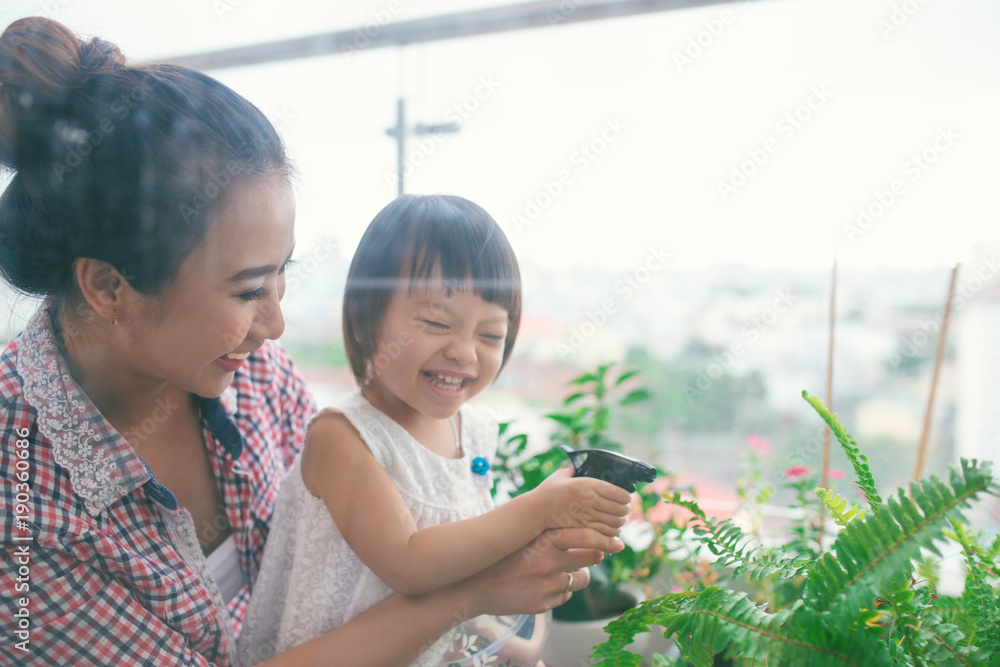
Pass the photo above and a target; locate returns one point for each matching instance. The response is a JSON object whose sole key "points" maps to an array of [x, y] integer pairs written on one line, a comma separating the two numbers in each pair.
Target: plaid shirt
{"points": [[100, 565]]}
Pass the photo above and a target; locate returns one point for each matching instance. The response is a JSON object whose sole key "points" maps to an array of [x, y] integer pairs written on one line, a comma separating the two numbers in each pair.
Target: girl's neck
{"points": [[441, 436]]}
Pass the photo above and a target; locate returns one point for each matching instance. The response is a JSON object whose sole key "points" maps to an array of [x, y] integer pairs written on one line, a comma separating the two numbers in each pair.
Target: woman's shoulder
{"points": [[10, 379], [45, 501], [33, 353]]}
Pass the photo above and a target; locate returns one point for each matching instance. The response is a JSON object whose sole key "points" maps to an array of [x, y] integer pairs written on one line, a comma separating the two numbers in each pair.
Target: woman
{"points": [[148, 416]]}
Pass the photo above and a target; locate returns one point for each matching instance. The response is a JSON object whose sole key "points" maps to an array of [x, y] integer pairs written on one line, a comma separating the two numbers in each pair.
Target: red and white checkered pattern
{"points": [[92, 578]]}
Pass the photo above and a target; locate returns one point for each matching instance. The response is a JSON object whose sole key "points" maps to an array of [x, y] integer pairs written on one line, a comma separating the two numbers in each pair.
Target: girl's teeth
{"points": [[233, 356], [445, 381]]}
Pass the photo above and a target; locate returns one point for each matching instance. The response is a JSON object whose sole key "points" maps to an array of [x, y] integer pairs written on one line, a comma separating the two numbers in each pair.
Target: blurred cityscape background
{"points": [[678, 185]]}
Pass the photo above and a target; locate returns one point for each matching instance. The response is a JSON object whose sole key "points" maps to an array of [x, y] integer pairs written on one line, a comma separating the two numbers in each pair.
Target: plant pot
{"points": [[569, 643]]}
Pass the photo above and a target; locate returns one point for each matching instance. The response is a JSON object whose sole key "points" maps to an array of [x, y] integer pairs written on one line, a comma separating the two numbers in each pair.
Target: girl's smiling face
{"points": [[224, 302], [437, 349]]}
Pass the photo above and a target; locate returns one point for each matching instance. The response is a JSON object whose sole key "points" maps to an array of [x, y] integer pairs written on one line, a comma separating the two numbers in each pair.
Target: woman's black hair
{"points": [[125, 164], [411, 238]]}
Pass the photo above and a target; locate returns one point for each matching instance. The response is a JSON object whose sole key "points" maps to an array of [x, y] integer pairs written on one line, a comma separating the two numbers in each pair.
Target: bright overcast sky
{"points": [[747, 132]]}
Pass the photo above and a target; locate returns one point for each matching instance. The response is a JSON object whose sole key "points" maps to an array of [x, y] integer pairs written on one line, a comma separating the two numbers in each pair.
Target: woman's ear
{"points": [[101, 285]]}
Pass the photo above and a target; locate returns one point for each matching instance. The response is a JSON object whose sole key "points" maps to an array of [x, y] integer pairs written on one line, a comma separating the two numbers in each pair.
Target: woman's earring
{"points": [[114, 322]]}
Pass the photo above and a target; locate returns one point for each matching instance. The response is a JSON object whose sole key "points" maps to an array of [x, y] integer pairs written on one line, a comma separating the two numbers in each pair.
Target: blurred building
{"points": [[978, 346]]}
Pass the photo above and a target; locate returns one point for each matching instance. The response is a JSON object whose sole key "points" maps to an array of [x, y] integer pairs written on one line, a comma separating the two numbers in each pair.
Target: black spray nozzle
{"points": [[620, 470]]}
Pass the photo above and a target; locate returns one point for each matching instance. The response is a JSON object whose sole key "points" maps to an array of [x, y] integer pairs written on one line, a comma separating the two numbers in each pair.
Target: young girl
{"points": [[391, 491]]}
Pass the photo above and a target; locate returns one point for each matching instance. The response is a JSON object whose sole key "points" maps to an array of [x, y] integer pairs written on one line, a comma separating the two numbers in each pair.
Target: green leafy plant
{"points": [[585, 421], [863, 601]]}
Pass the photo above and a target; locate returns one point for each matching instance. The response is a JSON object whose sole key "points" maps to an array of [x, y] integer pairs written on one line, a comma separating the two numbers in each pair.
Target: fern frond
{"points": [[983, 603], [862, 473], [904, 607], [689, 505], [875, 557], [943, 643], [956, 611], [771, 567], [837, 506], [716, 621], [722, 537], [734, 548], [622, 630], [727, 541]]}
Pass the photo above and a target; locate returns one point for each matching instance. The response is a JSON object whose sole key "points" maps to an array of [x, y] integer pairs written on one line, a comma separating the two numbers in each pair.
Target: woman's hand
{"points": [[541, 575], [530, 581]]}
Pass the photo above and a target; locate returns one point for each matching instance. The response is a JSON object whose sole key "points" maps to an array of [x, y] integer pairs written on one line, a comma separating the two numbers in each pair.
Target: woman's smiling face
{"points": [[224, 302]]}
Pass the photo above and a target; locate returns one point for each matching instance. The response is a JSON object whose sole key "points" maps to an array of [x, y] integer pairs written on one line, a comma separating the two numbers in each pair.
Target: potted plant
{"points": [[617, 584], [859, 601]]}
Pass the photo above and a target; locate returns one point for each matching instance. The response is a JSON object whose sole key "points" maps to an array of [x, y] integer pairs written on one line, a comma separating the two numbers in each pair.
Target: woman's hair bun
{"points": [[128, 165], [42, 64]]}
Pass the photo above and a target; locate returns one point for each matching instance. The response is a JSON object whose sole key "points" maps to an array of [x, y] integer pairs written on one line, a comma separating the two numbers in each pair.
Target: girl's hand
{"points": [[534, 579], [571, 502]]}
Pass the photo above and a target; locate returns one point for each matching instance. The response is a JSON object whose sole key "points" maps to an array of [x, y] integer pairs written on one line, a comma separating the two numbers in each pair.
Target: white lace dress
{"points": [[310, 581]]}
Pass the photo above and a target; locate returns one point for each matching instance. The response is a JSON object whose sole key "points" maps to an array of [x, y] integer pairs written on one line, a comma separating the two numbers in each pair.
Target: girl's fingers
{"points": [[613, 508]]}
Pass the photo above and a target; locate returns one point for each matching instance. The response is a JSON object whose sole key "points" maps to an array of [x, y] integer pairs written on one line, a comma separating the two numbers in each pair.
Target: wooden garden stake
{"points": [[925, 434]]}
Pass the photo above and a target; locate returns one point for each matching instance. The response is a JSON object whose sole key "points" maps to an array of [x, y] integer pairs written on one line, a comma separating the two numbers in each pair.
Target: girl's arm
{"points": [[530, 581], [374, 520]]}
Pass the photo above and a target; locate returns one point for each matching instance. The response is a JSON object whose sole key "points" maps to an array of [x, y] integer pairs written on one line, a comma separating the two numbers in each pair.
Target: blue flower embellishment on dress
{"points": [[480, 466]]}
